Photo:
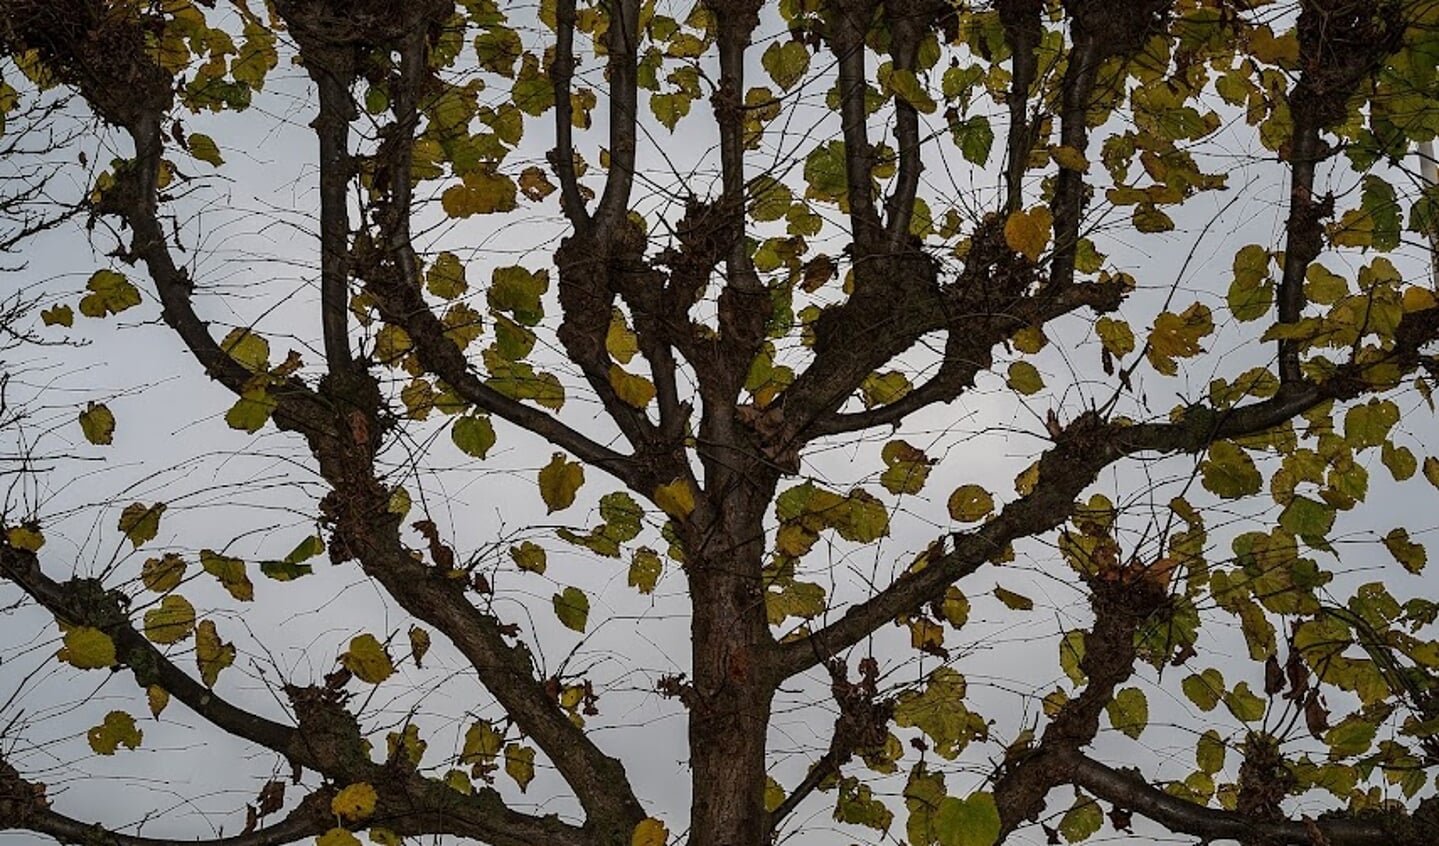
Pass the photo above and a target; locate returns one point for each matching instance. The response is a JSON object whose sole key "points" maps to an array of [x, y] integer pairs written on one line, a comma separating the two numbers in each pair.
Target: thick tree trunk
{"points": [[733, 687]]}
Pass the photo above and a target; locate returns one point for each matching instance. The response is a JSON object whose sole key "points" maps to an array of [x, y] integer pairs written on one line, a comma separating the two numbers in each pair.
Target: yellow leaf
{"points": [[676, 498], [98, 424], [1027, 232], [1418, 299], [211, 654], [559, 480], [520, 764], [204, 148], [419, 644], [367, 659], [87, 648], [337, 837], [650, 832], [171, 622], [26, 537], [355, 802], [1070, 158], [163, 574], [158, 697], [631, 389]]}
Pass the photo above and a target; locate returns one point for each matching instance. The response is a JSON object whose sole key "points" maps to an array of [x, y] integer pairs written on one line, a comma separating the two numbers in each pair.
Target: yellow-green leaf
{"points": [[61, 315], [140, 523], [529, 556], [251, 350], [230, 572], [157, 697], [473, 434], [970, 503], [1013, 601], [368, 659], [1024, 378], [786, 62], [633, 390], [204, 148], [1082, 820], [645, 569], [1129, 711], [118, 728], [355, 802], [572, 607], [163, 574], [26, 536], [676, 498], [445, 278], [172, 621], [649, 832], [520, 764], [1028, 232], [87, 649], [1412, 555], [98, 423], [110, 293], [211, 654], [972, 821], [559, 481], [337, 837]]}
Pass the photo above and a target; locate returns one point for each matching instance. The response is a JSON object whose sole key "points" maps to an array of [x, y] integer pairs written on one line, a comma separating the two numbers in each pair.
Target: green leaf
{"points": [[972, 821], [1412, 555], [473, 434], [1128, 711], [572, 607], [203, 147], [140, 523], [1251, 294], [975, 138], [1209, 752], [445, 278], [1071, 656], [98, 424], [1012, 600], [1082, 820], [529, 556], [559, 481], [1399, 459], [368, 659], [110, 293], [1368, 425], [1243, 704], [1230, 472], [252, 410], [1204, 689], [1308, 519], [1024, 378], [786, 62]]}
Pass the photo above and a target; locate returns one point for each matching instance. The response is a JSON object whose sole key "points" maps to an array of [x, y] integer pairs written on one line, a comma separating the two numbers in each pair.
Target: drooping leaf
{"points": [[645, 570], [559, 481], [140, 523], [230, 572], [520, 764], [1082, 820]]}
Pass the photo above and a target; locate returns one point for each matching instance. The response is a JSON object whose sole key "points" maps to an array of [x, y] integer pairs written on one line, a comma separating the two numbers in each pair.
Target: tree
{"points": [[804, 284]]}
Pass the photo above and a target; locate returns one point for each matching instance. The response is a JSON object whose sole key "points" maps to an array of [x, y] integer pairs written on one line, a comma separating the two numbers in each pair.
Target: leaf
{"points": [[211, 654], [87, 648], [110, 293], [25, 536], [1115, 335], [482, 192], [445, 278], [970, 504], [1024, 378], [251, 411], [355, 802], [118, 728], [975, 138], [1209, 752], [1204, 689], [61, 314], [337, 837], [677, 498], [1013, 601], [636, 391], [907, 468], [368, 659], [559, 481], [98, 424], [520, 764], [1178, 336], [572, 607], [171, 622], [1399, 459], [786, 62], [1082, 820], [1243, 704], [1128, 711], [1230, 472], [972, 821], [1027, 232], [1251, 294], [645, 570], [1412, 555], [473, 434], [203, 147], [230, 572], [650, 832], [1368, 425], [140, 523], [529, 556], [482, 743], [157, 697], [1308, 519], [163, 574]]}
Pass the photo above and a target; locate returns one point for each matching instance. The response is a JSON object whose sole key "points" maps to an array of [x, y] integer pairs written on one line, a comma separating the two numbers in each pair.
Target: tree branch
{"points": [[1023, 28], [623, 75], [852, 18], [1081, 451], [562, 72]]}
